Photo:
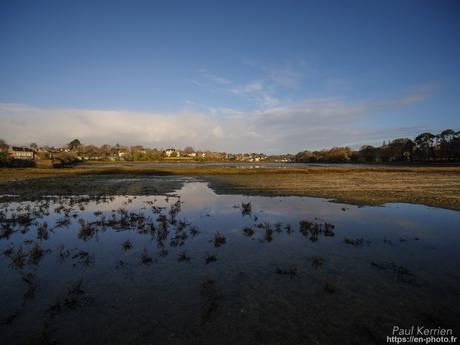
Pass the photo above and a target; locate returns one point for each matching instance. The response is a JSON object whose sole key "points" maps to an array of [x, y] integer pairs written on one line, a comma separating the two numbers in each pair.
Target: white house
{"points": [[17, 152], [171, 151]]}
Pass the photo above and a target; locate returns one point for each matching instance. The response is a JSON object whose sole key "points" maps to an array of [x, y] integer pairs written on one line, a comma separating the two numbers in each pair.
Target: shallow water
{"points": [[239, 165], [133, 270]]}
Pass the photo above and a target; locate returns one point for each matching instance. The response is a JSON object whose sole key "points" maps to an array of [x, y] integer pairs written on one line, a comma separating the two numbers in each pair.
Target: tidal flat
{"points": [[139, 259], [356, 184]]}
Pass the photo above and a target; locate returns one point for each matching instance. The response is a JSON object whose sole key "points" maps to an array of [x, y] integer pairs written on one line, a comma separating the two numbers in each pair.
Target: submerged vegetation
{"points": [[210, 293], [317, 261], [246, 208], [145, 257], [290, 271], [210, 258], [127, 245], [219, 239]]}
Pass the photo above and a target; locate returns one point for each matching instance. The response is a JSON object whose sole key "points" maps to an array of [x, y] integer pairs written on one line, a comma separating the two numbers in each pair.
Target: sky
{"points": [[235, 76]]}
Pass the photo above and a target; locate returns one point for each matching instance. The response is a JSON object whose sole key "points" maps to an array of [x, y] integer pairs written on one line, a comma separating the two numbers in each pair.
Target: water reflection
{"points": [[220, 268]]}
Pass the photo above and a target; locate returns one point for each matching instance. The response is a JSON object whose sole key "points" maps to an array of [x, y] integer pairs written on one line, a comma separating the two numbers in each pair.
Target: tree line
{"points": [[76, 151], [426, 147]]}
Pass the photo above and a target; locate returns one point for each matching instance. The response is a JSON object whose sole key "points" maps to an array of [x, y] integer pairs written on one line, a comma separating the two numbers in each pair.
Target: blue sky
{"points": [[270, 76]]}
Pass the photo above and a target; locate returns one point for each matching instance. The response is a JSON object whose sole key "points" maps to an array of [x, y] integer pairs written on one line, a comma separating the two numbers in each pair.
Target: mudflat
{"points": [[432, 186]]}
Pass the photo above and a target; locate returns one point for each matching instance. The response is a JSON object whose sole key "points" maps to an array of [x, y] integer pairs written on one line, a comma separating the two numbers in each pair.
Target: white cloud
{"points": [[268, 100], [214, 78], [199, 83], [251, 87], [318, 111], [260, 91], [23, 124], [288, 76], [218, 132], [415, 95], [276, 127], [257, 91]]}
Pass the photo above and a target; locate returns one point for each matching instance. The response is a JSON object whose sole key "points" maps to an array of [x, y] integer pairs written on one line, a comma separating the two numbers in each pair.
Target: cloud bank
{"points": [[310, 124]]}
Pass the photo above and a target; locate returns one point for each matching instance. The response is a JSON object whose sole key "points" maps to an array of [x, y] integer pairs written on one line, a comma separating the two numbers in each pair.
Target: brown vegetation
{"points": [[433, 186], [428, 186]]}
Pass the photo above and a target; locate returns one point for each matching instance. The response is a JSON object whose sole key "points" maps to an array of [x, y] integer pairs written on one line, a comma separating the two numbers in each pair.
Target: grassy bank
{"points": [[433, 186], [441, 189]]}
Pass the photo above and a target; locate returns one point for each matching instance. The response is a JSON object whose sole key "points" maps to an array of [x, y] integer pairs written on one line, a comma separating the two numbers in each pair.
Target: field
{"points": [[432, 186]]}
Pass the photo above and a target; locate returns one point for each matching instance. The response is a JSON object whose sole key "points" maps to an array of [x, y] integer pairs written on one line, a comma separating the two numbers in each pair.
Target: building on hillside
{"points": [[17, 152]]}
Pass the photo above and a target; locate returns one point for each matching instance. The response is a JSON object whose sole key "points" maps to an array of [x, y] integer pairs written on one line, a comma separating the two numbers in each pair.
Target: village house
{"points": [[122, 153], [172, 152], [17, 152]]}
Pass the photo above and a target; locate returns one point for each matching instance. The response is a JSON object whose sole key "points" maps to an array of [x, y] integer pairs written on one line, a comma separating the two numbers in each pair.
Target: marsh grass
{"points": [[76, 295], [210, 258], [430, 186], [317, 261], [62, 222], [392, 267], [84, 257], [127, 245], [314, 229], [183, 256], [248, 231], [401, 273], [290, 271], [36, 254], [210, 293], [6, 231], [8, 251], [42, 232], [433, 186], [278, 227], [18, 259], [87, 231], [246, 209], [145, 257], [268, 231], [219, 239], [194, 231], [63, 253], [55, 308], [32, 286], [354, 242]]}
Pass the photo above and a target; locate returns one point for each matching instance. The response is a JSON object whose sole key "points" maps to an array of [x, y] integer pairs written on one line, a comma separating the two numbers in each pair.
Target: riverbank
{"points": [[432, 186]]}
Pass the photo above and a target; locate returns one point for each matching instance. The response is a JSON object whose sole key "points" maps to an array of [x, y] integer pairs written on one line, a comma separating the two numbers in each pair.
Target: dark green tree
{"points": [[3, 145], [446, 139], [425, 146], [74, 144], [368, 153]]}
